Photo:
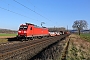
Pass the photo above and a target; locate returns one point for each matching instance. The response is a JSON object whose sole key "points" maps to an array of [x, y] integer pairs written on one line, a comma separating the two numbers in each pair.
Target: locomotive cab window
{"points": [[23, 27], [31, 28]]}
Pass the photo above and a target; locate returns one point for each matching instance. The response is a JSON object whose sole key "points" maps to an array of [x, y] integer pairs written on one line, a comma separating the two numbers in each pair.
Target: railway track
{"points": [[26, 50]]}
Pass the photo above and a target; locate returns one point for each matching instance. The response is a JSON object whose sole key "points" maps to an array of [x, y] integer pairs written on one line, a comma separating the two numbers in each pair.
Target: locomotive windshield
{"points": [[23, 27]]}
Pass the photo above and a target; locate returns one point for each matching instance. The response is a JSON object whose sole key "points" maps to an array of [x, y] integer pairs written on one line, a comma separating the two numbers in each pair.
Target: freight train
{"points": [[30, 31]]}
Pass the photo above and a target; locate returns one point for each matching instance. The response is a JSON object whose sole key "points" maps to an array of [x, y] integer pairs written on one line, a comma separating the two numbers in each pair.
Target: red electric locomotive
{"points": [[29, 31]]}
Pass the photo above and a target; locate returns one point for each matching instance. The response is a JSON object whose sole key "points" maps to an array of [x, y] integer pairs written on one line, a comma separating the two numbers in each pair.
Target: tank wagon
{"points": [[29, 31]]}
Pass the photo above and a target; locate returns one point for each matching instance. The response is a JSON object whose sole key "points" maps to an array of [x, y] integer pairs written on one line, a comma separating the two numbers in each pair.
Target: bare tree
{"points": [[80, 25]]}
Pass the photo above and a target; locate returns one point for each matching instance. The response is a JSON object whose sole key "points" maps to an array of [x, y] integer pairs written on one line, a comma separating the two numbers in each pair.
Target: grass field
{"points": [[78, 48], [85, 36], [3, 34], [3, 37]]}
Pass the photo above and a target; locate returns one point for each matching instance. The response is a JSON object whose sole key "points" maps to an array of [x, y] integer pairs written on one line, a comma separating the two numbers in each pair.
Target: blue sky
{"points": [[58, 13]]}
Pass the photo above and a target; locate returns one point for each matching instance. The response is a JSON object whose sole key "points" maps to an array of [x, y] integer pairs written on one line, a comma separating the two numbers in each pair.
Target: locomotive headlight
{"points": [[25, 32], [19, 31]]}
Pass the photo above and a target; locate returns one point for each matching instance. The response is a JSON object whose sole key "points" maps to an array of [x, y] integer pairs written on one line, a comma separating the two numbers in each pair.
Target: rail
{"points": [[26, 50]]}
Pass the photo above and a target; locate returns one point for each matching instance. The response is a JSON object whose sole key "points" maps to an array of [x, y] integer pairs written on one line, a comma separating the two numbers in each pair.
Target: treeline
{"points": [[54, 29], [7, 31]]}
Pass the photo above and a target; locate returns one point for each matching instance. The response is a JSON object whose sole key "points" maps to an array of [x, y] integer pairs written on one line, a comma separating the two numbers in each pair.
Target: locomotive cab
{"points": [[23, 30]]}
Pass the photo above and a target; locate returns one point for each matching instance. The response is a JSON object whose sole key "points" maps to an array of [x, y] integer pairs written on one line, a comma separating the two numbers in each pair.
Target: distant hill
{"points": [[7, 31], [82, 31]]}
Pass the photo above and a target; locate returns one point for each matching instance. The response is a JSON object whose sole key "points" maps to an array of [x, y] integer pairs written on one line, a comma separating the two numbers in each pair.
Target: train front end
{"points": [[22, 32]]}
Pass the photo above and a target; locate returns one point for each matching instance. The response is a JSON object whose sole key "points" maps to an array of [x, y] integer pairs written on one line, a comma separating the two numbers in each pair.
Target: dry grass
{"points": [[78, 49], [2, 40]]}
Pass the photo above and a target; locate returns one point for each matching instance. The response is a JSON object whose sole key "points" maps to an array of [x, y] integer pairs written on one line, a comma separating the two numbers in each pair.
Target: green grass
{"points": [[3, 34], [85, 36]]}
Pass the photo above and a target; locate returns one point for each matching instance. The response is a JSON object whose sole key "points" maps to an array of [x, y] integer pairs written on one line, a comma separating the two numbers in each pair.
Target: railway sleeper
{"points": [[33, 50]]}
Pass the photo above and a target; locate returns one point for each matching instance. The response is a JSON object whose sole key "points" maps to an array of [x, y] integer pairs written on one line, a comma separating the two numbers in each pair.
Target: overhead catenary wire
{"points": [[16, 13], [26, 8], [31, 9], [34, 5], [40, 10], [35, 11]]}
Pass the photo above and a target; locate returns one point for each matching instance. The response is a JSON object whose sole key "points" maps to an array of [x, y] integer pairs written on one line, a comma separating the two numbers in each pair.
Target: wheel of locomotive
{"points": [[31, 38]]}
